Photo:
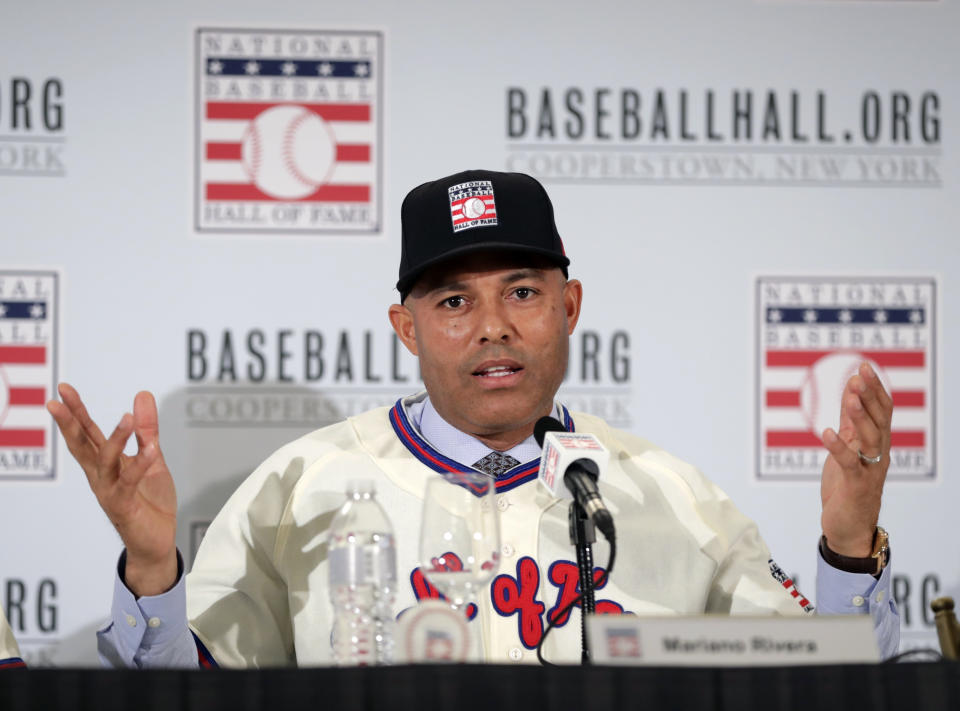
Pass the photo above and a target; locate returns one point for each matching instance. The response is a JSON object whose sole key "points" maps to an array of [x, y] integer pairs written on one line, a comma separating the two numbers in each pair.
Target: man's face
{"points": [[491, 332]]}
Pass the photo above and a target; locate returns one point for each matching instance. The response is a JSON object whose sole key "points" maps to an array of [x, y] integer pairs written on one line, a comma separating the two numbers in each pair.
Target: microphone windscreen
{"points": [[544, 425]]}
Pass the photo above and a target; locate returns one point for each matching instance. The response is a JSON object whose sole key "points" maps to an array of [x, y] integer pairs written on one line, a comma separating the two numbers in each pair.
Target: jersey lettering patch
{"points": [[517, 595], [566, 576]]}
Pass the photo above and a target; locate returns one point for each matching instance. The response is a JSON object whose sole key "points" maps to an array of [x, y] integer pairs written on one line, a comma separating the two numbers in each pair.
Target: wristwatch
{"points": [[874, 564]]}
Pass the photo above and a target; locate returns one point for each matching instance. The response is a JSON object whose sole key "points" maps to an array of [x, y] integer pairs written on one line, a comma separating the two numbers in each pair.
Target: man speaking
{"points": [[488, 308]]}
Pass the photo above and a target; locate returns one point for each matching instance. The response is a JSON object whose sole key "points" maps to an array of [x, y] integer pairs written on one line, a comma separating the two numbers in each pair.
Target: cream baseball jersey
{"points": [[258, 594]]}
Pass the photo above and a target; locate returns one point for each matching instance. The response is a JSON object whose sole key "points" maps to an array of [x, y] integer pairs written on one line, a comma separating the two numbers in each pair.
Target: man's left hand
{"points": [[851, 488]]}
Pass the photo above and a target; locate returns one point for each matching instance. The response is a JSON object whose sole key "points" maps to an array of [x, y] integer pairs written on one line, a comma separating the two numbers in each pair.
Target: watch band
{"points": [[872, 565]]}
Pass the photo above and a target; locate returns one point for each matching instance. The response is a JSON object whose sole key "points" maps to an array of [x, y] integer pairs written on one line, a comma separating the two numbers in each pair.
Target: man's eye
{"points": [[454, 302], [523, 292]]}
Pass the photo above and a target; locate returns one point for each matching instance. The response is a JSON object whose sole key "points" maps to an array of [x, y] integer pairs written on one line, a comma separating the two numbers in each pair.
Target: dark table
{"points": [[893, 687]]}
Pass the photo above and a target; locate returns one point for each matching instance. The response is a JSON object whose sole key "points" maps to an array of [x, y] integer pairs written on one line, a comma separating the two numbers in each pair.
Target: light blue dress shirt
{"points": [[152, 632]]}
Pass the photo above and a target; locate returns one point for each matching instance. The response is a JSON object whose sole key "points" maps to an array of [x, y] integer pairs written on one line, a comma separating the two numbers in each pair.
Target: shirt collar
{"points": [[459, 446]]}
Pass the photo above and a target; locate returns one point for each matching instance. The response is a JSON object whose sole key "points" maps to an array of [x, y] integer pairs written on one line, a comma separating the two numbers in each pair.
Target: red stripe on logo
{"points": [[892, 359], [489, 214], [224, 151], [325, 193], [22, 438], [486, 198], [353, 153], [28, 396], [330, 112], [23, 354], [915, 438], [791, 398], [804, 438], [783, 398], [909, 398]]}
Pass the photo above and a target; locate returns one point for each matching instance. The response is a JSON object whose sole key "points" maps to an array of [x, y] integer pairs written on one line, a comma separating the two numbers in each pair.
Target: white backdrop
{"points": [[711, 163]]}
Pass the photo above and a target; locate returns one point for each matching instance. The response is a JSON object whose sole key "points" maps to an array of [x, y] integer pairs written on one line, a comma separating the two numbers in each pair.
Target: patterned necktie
{"points": [[496, 463]]}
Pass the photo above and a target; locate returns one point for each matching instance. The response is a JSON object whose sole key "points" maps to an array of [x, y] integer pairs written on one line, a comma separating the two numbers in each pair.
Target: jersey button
{"points": [[507, 550], [515, 653], [502, 503]]}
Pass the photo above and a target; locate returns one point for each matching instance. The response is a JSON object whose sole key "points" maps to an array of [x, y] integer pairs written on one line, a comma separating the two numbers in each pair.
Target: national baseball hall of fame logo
{"points": [[288, 131], [812, 335], [28, 373]]}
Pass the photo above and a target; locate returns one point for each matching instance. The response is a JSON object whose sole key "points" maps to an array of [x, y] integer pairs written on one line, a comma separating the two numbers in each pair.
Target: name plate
{"points": [[715, 640]]}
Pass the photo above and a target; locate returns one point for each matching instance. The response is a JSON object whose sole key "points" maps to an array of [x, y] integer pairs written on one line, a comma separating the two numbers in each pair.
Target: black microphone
{"points": [[563, 451]]}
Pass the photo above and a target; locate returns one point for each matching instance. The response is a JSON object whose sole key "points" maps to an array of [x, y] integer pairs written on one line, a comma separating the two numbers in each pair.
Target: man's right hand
{"points": [[137, 493]]}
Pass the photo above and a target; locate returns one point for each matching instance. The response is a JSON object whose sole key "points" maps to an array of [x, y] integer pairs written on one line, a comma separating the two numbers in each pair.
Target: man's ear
{"points": [[572, 299], [401, 318]]}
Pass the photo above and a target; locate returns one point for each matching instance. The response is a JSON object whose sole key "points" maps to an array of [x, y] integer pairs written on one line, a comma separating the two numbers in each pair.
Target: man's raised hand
{"points": [[852, 486], [136, 493]]}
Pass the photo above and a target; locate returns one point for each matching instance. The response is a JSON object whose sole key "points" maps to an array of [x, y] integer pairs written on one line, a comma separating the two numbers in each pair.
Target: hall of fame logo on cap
{"points": [[472, 205], [28, 373], [288, 131], [812, 335]]}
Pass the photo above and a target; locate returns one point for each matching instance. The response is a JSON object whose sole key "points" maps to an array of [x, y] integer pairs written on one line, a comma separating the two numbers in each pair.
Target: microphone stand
{"points": [[582, 535]]}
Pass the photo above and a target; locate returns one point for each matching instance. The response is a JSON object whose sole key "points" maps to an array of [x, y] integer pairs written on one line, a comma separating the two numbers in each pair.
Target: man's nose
{"points": [[494, 323]]}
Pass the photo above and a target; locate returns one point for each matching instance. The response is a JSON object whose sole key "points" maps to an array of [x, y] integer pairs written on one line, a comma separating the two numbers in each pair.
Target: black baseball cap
{"points": [[472, 211]]}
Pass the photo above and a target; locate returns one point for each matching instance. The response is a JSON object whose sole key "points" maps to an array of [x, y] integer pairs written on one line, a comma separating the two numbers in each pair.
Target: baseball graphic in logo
{"points": [[288, 152], [820, 396], [474, 208]]}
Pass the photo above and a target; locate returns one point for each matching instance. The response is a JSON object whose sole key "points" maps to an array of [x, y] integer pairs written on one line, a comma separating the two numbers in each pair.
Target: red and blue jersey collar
{"points": [[422, 450]]}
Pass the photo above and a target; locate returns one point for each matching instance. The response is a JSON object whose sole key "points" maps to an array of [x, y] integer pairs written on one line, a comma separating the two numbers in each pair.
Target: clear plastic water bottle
{"points": [[363, 579]]}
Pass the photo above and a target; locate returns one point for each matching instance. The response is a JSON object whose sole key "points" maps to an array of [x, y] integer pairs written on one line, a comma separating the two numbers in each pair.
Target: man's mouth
{"points": [[497, 370]]}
